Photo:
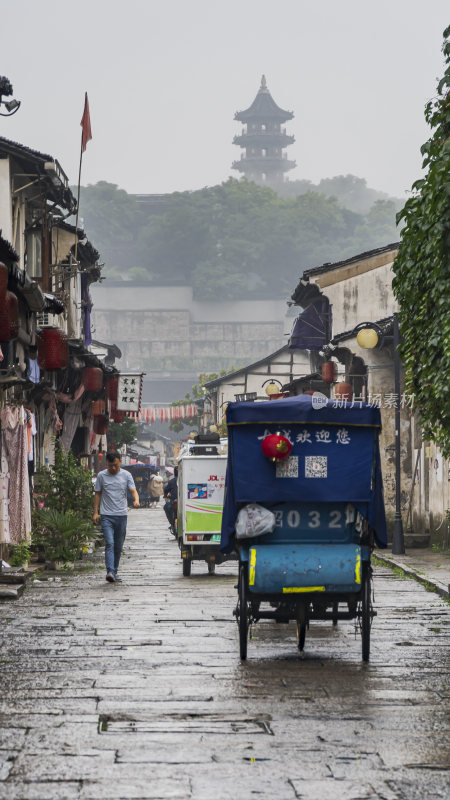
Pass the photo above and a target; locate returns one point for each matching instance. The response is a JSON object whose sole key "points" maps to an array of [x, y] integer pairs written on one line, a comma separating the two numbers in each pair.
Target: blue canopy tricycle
{"points": [[315, 464]]}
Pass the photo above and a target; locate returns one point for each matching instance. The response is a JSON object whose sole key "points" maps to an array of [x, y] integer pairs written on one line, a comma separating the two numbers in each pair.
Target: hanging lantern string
{"points": [[166, 413]]}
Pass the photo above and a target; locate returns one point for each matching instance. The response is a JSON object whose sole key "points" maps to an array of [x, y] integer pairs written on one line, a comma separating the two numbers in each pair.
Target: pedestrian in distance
{"points": [[111, 492], [156, 489]]}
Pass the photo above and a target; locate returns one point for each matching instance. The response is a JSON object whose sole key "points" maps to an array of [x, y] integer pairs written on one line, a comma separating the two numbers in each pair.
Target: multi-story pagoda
{"points": [[263, 139]]}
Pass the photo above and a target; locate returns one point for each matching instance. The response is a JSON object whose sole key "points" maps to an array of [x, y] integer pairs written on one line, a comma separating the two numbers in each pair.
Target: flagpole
{"points": [[86, 136], [78, 198]]}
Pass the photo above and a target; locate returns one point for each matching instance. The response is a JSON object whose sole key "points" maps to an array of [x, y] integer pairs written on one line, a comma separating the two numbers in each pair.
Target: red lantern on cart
{"points": [[92, 379], [112, 387], [53, 349], [9, 318], [329, 371], [3, 281], [343, 391], [276, 447], [101, 424]]}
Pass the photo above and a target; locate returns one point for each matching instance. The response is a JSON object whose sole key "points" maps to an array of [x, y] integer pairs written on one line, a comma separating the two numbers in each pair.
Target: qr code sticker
{"points": [[315, 466], [288, 468]]}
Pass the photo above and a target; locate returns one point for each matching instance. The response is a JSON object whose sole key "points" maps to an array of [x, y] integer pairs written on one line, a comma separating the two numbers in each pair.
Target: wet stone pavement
{"points": [[135, 691]]}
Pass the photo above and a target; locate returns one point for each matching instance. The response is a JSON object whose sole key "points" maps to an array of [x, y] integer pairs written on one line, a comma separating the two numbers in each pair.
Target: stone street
{"points": [[135, 691]]}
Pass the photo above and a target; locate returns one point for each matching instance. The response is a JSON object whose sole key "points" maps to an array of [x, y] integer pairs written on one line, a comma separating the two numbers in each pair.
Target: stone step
{"points": [[11, 592]]}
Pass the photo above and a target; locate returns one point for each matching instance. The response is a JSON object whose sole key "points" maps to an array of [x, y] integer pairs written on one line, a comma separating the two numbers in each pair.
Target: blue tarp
{"points": [[312, 329], [335, 457]]}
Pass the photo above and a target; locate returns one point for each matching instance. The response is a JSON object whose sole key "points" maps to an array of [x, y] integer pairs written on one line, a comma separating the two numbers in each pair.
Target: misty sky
{"points": [[165, 77]]}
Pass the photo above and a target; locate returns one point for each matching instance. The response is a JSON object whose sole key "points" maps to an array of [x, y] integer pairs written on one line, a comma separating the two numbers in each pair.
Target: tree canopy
{"points": [[422, 274], [120, 433], [234, 240]]}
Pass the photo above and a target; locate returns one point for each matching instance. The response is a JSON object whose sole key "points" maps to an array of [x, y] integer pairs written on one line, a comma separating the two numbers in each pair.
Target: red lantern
{"points": [[112, 387], [343, 391], [92, 379], [329, 371], [276, 447], [119, 416], [9, 317], [100, 424], [3, 281], [53, 349], [98, 407]]}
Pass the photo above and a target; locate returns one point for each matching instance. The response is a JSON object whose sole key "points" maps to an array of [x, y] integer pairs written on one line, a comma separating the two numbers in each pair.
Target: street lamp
{"points": [[6, 89], [368, 336]]}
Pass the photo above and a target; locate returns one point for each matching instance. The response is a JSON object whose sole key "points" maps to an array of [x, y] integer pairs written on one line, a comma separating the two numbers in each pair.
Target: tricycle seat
{"points": [[305, 568]]}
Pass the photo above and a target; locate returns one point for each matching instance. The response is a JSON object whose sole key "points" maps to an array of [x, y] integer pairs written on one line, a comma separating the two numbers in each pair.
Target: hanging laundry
{"points": [[34, 372], [4, 499], [15, 446]]}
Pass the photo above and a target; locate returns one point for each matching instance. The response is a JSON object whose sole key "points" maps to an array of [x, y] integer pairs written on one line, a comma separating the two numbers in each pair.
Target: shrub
{"points": [[66, 486], [61, 534], [19, 554]]}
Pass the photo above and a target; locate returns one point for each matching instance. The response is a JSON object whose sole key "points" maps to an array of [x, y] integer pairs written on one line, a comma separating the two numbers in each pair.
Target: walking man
{"points": [[111, 488]]}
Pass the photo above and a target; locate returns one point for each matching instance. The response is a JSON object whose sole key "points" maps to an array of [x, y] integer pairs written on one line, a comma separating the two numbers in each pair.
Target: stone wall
{"points": [[165, 329]]}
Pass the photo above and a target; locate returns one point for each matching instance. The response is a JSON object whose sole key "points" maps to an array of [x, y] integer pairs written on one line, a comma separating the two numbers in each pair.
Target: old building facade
{"points": [[358, 291]]}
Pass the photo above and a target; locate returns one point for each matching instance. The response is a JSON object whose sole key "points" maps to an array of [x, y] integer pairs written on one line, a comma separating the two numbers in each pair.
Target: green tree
{"points": [[113, 219], [120, 433], [235, 240], [422, 274], [66, 486]]}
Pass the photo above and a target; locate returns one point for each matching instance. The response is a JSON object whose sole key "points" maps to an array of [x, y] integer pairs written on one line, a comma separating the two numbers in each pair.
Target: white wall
{"points": [[281, 367], [359, 292]]}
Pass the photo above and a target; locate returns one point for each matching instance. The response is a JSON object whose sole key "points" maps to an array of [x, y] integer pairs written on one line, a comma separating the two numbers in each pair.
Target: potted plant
{"points": [[62, 534], [19, 554]]}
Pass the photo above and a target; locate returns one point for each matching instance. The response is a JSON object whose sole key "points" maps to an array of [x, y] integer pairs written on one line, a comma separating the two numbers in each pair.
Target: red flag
{"points": [[85, 123]]}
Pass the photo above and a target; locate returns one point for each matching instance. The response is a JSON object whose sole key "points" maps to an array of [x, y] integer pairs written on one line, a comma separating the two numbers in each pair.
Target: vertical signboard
{"points": [[129, 392]]}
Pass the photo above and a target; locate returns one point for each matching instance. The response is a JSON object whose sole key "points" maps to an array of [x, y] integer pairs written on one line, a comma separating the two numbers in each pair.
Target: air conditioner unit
{"points": [[47, 320]]}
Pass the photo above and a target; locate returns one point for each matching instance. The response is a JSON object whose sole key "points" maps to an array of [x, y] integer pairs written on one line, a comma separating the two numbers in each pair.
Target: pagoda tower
{"points": [[263, 140]]}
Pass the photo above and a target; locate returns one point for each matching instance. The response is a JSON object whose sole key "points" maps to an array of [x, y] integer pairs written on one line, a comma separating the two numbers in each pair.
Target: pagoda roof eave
{"points": [[263, 108], [261, 113]]}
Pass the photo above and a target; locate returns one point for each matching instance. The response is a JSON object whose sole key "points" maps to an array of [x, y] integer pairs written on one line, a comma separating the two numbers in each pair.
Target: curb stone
{"points": [[440, 588]]}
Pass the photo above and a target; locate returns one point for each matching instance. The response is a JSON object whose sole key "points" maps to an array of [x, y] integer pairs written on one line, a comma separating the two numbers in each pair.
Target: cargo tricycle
{"points": [[201, 482], [308, 469]]}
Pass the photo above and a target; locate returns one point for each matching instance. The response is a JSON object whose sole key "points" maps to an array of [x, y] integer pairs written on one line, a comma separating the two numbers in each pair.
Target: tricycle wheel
{"points": [[243, 612], [186, 567], [335, 613], [301, 635], [366, 616], [211, 567]]}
